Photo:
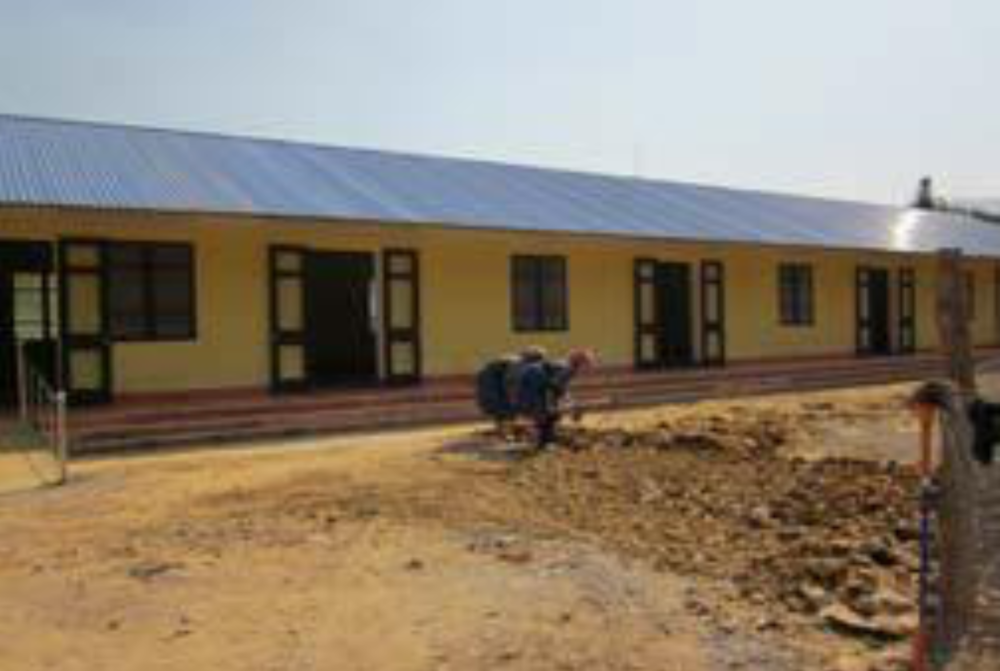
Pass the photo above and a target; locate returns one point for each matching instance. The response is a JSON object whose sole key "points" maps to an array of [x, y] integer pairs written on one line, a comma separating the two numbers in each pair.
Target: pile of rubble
{"points": [[832, 542]]}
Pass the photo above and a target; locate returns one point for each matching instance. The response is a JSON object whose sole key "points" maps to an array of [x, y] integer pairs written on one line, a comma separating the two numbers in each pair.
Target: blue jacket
{"points": [[542, 386]]}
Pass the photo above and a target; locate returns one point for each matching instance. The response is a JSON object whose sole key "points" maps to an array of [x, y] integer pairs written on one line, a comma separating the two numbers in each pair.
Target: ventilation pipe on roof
{"points": [[925, 199]]}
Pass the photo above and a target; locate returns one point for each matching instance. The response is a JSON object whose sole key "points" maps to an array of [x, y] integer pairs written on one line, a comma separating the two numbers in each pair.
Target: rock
{"points": [[826, 570], [767, 623], [879, 552], [886, 627], [892, 660], [759, 517], [649, 492], [815, 596], [515, 555], [148, 571], [851, 663], [414, 565], [896, 627], [843, 619], [890, 602]]}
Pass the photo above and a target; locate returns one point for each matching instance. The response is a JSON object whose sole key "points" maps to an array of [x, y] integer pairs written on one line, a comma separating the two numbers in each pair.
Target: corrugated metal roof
{"points": [[51, 162], [989, 206]]}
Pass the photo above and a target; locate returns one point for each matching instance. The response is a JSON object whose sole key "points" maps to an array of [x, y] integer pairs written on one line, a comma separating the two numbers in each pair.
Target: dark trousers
{"points": [[545, 429]]}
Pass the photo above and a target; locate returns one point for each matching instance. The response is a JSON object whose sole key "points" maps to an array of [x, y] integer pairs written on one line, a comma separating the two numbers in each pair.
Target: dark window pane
{"points": [[150, 291], [795, 294], [173, 326], [171, 255], [121, 256], [172, 301], [538, 293], [525, 294], [126, 301], [553, 291]]}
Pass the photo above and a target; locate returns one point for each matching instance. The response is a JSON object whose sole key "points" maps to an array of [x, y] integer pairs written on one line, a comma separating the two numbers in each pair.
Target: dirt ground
{"points": [[657, 540]]}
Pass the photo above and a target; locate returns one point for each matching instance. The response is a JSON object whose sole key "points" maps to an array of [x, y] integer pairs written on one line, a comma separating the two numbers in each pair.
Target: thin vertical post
{"points": [[953, 322], [61, 435], [22, 381]]}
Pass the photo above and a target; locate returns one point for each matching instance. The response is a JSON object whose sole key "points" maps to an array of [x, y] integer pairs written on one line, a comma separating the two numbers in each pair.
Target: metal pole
{"points": [[921, 642], [22, 382], [62, 436]]}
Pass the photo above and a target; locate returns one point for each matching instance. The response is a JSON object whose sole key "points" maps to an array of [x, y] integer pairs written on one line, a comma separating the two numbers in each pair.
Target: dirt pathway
{"points": [[412, 551], [224, 561]]}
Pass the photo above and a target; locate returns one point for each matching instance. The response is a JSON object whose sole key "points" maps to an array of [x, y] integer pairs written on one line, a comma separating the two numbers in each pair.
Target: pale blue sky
{"points": [[849, 98]]}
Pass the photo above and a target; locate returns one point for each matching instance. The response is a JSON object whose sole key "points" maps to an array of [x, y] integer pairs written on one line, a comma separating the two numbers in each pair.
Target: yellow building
{"points": [[158, 262]]}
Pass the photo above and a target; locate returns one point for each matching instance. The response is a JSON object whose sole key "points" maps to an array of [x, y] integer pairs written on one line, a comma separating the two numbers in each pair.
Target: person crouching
{"points": [[543, 392]]}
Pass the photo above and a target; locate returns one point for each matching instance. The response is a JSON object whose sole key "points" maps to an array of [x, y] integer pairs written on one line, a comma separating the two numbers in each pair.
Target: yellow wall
{"points": [[466, 293]]}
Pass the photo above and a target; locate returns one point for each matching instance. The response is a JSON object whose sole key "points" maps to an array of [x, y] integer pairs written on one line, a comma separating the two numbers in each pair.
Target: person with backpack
{"points": [[543, 394], [531, 386], [498, 384]]}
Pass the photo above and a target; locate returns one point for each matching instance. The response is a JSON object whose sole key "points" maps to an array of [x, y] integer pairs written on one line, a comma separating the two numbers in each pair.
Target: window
{"points": [[795, 294], [538, 293], [150, 291], [36, 301], [969, 279]]}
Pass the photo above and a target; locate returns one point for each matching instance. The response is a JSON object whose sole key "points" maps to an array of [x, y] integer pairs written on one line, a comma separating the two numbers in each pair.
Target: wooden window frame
{"points": [[800, 282], [539, 322], [151, 329]]}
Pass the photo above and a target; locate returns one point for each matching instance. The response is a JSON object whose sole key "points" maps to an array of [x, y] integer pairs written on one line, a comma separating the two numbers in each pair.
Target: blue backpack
{"points": [[492, 394], [536, 393]]}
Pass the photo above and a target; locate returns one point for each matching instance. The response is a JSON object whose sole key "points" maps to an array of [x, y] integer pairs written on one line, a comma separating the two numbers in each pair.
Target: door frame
{"points": [[298, 338], [72, 343], [645, 326], [649, 329], [712, 279], [19, 256], [408, 336], [282, 339]]}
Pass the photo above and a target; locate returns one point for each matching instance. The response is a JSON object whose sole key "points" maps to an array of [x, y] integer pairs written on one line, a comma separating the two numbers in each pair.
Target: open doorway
{"points": [[340, 328], [28, 310], [873, 318], [323, 330]]}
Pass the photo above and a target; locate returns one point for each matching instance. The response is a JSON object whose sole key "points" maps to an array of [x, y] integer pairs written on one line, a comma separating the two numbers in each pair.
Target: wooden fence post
{"points": [[953, 322]]}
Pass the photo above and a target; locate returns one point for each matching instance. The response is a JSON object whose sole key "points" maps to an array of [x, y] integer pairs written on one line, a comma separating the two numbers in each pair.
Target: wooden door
{"points": [[872, 309], [673, 303], [340, 331]]}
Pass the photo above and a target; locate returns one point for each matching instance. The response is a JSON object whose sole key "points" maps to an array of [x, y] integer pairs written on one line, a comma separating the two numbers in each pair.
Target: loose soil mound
{"points": [[827, 543]]}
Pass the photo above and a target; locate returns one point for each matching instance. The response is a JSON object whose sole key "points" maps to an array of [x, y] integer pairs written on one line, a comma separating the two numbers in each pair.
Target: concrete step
{"points": [[720, 380], [260, 420], [249, 432]]}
